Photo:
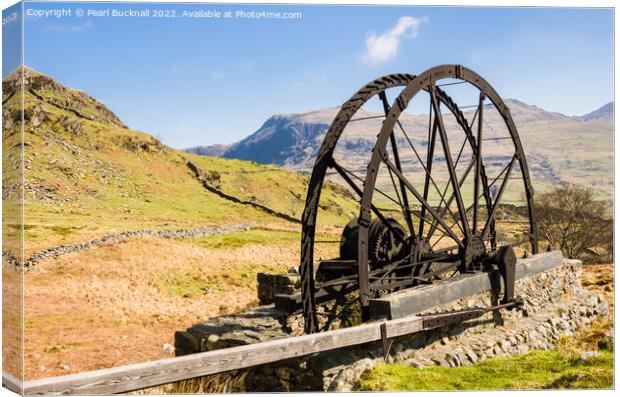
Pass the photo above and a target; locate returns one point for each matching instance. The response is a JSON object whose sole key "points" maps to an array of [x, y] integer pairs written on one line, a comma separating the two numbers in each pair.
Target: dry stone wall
{"points": [[555, 305]]}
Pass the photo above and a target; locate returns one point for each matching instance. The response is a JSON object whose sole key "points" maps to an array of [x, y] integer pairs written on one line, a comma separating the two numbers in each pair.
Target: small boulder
{"points": [[168, 348], [585, 356]]}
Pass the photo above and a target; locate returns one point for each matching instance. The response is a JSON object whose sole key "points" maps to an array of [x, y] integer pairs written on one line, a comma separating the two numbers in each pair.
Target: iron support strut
{"points": [[506, 261], [437, 320]]}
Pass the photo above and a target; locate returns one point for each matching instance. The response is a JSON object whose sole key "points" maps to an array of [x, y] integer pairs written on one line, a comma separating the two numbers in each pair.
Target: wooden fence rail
{"points": [[153, 373]]}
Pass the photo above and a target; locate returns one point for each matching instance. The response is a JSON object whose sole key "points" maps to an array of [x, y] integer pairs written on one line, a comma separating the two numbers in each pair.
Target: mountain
{"points": [[213, 150], [87, 174], [558, 147], [603, 113]]}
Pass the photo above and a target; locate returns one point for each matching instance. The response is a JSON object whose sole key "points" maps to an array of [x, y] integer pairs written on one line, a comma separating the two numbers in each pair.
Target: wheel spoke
{"points": [[425, 203], [432, 137], [428, 173], [500, 175], [374, 209], [405, 202], [473, 119], [449, 202], [400, 203], [478, 156], [446, 148], [445, 190], [380, 274], [351, 183], [498, 198], [366, 118]]}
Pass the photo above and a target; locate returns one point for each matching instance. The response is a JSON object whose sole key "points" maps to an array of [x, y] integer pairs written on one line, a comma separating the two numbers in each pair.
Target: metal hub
{"points": [[473, 253], [419, 249]]}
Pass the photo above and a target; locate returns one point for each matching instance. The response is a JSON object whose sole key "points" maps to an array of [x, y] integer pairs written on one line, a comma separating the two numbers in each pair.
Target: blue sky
{"points": [[203, 81]]}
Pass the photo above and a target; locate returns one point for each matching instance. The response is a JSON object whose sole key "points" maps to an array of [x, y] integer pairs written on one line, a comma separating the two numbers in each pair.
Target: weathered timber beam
{"points": [[153, 373], [416, 300], [292, 303]]}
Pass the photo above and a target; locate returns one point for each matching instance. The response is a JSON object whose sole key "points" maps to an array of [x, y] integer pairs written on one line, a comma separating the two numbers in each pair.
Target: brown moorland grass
{"points": [[118, 304]]}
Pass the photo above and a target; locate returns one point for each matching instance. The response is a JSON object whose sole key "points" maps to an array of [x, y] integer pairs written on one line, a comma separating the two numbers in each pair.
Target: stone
{"points": [[473, 357], [168, 348], [440, 361], [585, 356], [505, 345], [294, 326], [522, 349], [416, 364], [463, 358]]}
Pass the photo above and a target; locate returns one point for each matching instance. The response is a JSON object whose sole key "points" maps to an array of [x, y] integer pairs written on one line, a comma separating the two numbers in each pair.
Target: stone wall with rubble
{"points": [[555, 305]]}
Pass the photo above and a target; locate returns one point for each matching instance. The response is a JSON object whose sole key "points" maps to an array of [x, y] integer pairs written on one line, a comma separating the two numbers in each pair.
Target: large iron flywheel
{"points": [[438, 196]]}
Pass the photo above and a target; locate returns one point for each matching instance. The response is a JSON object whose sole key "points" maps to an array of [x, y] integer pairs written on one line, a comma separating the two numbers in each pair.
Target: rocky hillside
{"points": [[87, 174], [558, 147]]}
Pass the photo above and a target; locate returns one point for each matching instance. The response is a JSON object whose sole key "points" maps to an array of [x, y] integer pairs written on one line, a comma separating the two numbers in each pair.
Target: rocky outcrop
{"points": [[40, 85]]}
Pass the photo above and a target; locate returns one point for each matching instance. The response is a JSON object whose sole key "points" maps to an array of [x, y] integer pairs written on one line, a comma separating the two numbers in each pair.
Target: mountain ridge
{"points": [[551, 142], [234, 150], [604, 112]]}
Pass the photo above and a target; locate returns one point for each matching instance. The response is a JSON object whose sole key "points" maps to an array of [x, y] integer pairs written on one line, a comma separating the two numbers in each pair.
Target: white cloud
{"points": [[383, 47]]}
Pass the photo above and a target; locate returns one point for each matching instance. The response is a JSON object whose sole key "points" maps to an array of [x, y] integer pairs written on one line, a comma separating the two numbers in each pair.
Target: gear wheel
{"points": [[384, 245]]}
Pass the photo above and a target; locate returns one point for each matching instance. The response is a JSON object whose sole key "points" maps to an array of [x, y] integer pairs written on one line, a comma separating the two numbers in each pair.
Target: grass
{"points": [[286, 192], [153, 284], [186, 285], [260, 236], [239, 239], [550, 369], [56, 348]]}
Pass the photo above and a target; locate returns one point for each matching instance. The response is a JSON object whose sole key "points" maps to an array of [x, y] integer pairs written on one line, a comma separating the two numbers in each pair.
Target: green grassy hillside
{"points": [[87, 174]]}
